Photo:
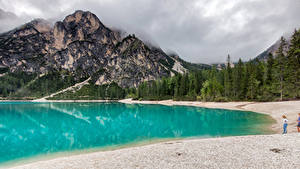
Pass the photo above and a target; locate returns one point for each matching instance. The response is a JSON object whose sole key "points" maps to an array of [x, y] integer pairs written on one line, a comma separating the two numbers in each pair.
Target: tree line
{"points": [[93, 92], [277, 78]]}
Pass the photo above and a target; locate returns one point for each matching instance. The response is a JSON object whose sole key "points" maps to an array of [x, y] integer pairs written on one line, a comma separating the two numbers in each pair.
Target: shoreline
{"points": [[23, 162], [60, 101], [274, 109], [254, 151], [60, 154], [159, 150]]}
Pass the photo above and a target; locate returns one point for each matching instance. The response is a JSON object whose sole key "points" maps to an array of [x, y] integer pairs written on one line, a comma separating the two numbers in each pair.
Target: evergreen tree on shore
{"points": [[280, 69], [228, 78], [237, 80], [293, 66], [277, 78]]}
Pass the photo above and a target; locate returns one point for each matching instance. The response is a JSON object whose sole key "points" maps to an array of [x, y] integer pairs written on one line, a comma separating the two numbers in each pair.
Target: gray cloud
{"points": [[8, 20], [202, 31]]}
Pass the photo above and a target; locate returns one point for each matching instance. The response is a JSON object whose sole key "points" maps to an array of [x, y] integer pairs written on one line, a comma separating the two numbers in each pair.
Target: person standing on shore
{"points": [[285, 124], [298, 126]]}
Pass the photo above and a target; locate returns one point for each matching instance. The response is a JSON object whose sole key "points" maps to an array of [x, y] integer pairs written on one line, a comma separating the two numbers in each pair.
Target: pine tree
{"points": [[164, 87], [192, 86], [183, 85], [269, 74], [293, 66], [237, 80], [253, 86], [259, 72], [267, 92], [198, 82], [139, 92], [171, 86], [153, 89], [279, 67], [177, 86], [228, 79]]}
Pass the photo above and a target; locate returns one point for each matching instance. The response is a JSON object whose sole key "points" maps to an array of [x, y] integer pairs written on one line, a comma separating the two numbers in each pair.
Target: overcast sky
{"points": [[202, 31]]}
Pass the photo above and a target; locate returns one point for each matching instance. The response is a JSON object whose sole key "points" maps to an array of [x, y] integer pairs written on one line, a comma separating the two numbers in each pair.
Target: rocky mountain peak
{"points": [[129, 40], [85, 48], [41, 25], [82, 26], [80, 19]]}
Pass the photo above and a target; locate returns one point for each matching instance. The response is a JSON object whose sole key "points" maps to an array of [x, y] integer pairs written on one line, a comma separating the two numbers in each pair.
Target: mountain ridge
{"points": [[81, 46]]}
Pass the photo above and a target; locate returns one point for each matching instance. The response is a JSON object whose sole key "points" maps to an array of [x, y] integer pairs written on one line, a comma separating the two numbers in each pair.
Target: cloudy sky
{"points": [[202, 31]]}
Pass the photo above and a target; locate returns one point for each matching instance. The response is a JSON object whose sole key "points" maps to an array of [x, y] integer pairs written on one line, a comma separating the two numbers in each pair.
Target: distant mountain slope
{"points": [[190, 66], [272, 49], [78, 48]]}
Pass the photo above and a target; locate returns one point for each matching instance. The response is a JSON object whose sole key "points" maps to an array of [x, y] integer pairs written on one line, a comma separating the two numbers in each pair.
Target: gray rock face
{"points": [[273, 49], [84, 47]]}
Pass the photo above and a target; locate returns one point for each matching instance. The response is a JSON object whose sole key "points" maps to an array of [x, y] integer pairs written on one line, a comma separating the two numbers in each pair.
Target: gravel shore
{"points": [[264, 151], [260, 151]]}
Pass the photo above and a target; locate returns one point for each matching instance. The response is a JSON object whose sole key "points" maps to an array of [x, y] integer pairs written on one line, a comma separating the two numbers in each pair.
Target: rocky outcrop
{"points": [[84, 47]]}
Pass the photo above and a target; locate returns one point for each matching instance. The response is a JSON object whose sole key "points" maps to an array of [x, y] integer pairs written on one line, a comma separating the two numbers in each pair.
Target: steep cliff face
{"points": [[23, 49], [82, 46], [132, 59]]}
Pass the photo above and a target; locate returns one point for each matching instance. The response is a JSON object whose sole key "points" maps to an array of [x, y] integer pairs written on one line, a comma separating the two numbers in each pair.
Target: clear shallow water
{"points": [[29, 129]]}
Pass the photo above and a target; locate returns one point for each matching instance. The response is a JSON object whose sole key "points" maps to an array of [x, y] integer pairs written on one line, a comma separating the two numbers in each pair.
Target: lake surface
{"points": [[31, 129]]}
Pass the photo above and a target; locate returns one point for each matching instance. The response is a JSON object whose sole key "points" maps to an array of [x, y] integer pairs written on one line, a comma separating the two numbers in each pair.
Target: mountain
{"points": [[273, 48], [76, 49]]}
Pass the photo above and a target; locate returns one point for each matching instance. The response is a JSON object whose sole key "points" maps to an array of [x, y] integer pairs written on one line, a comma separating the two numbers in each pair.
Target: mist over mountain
{"points": [[273, 48], [81, 47], [199, 31], [8, 20]]}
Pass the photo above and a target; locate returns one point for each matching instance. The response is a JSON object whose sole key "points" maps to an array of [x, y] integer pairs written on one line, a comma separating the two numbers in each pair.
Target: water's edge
{"points": [[54, 155], [50, 156]]}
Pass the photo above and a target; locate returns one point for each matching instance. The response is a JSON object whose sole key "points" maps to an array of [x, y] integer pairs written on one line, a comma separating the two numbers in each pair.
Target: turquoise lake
{"points": [[31, 129]]}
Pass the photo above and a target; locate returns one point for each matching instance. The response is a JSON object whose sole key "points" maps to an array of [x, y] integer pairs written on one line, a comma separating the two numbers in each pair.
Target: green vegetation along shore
{"points": [[278, 78]]}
